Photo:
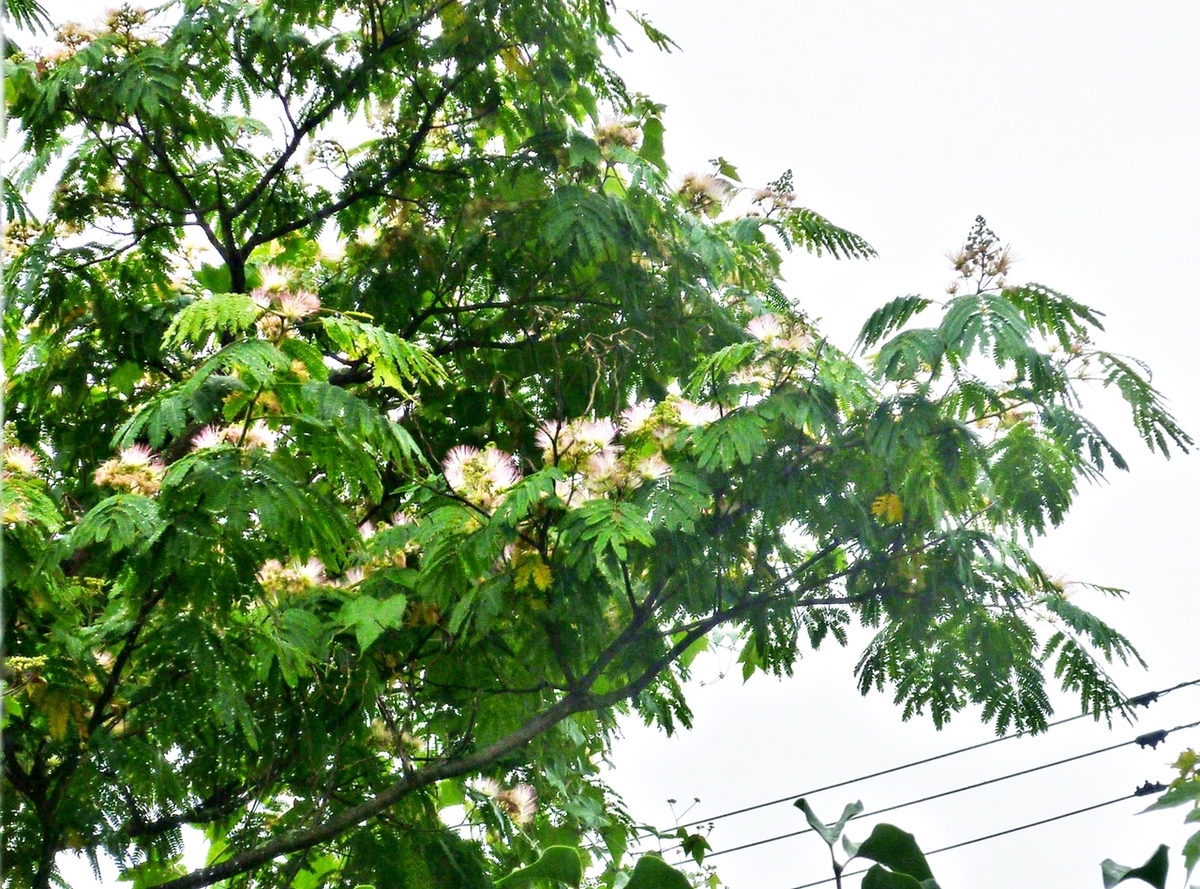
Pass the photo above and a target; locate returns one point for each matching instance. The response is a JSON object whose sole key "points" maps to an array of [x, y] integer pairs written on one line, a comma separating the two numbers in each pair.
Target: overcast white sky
{"points": [[1073, 128]]}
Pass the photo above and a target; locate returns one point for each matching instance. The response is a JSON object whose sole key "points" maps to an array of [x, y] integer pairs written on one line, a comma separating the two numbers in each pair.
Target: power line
{"points": [[1149, 738], [990, 836], [1144, 700]]}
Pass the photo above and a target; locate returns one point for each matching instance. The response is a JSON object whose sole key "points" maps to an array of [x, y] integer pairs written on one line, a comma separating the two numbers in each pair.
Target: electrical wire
{"points": [[1144, 739], [990, 836], [1140, 700]]}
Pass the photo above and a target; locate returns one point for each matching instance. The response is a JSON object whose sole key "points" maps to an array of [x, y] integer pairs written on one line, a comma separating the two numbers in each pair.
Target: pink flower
{"points": [[20, 458], [274, 279], [209, 437], [134, 470], [692, 414], [654, 467], [635, 417], [554, 441], [259, 435], [298, 305], [136, 455], [594, 434], [766, 328], [480, 477], [519, 803], [295, 577], [489, 787], [455, 466]]}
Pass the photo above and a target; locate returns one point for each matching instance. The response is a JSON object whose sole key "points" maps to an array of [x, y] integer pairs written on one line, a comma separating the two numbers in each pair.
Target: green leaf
{"points": [[652, 150], [1191, 852], [651, 872], [880, 878], [828, 832], [221, 313], [895, 849], [583, 150], [613, 525], [557, 864], [369, 617], [1154, 871], [395, 362], [1152, 420], [1054, 314], [1183, 794], [818, 235], [891, 317], [121, 521]]}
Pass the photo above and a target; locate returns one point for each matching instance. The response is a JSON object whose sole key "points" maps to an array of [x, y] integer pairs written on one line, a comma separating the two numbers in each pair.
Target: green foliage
{"points": [[384, 418], [222, 313], [900, 862], [897, 851], [654, 873], [1154, 871], [1184, 791], [830, 833], [556, 865]]}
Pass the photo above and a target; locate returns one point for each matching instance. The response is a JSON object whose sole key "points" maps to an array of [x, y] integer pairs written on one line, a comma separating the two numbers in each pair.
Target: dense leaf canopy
{"points": [[384, 418]]}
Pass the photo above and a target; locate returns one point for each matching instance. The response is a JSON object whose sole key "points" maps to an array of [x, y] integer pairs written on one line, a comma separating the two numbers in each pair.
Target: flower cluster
{"points": [[773, 198], [780, 333], [981, 260], [20, 459], [282, 305], [617, 134], [518, 802], [257, 435], [705, 193], [295, 577], [479, 476], [18, 482], [596, 465], [135, 471]]}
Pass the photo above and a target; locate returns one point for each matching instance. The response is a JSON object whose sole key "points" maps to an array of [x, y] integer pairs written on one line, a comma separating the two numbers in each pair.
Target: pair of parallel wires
{"points": [[1148, 739]]}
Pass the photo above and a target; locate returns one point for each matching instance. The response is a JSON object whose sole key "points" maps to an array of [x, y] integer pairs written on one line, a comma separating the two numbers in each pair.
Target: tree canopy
{"points": [[384, 419]]}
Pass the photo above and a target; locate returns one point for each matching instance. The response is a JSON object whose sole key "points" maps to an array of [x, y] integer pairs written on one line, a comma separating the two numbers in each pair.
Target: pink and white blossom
{"points": [[635, 417], [766, 328], [298, 305], [21, 459], [210, 436], [480, 476], [692, 414], [519, 803]]}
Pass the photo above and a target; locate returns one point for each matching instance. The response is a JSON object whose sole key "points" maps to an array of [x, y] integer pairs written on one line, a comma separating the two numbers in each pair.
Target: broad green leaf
{"points": [[652, 143], [557, 864], [651, 872], [1191, 852], [895, 849], [1154, 871], [878, 877], [369, 617]]}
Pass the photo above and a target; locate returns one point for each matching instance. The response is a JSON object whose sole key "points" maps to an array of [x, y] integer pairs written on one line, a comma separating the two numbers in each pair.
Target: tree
{"points": [[384, 419]]}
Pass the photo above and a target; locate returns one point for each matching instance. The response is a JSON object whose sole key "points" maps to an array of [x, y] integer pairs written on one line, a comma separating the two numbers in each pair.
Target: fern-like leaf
{"points": [[221, 313], [1054, 314], [396, 363], [890, 317], [121, 521], [1152, 420], [818, 235]]}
